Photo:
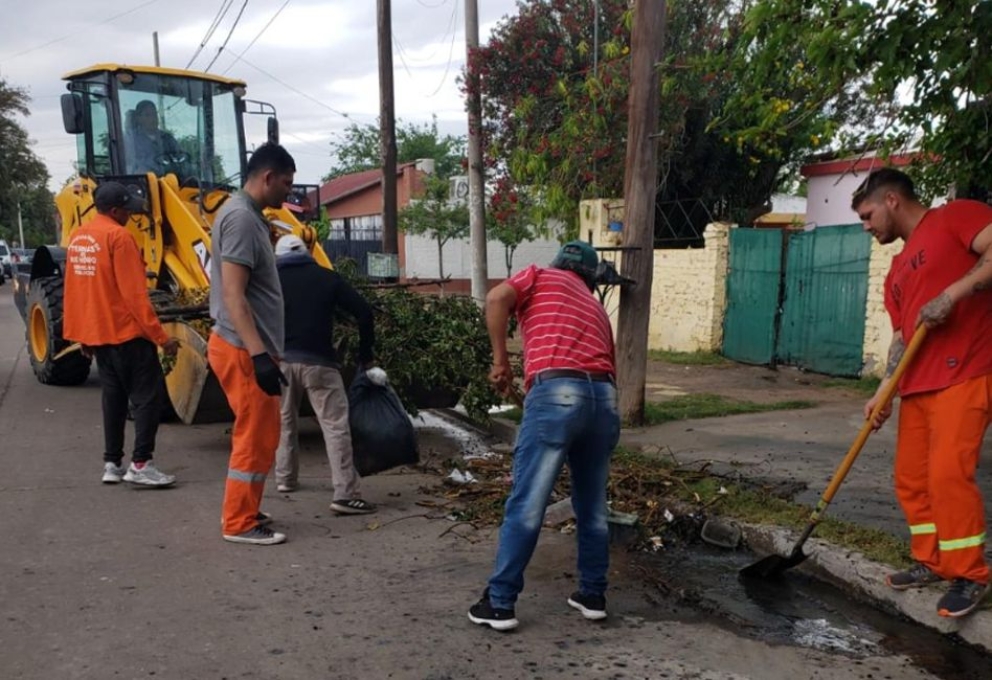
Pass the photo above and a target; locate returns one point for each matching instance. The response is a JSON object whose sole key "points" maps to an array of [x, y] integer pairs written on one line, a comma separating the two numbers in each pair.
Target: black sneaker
{"points": [[355, 506], [593, 607], [257, 535], [917, 576], [962, 598], [484, 614]]}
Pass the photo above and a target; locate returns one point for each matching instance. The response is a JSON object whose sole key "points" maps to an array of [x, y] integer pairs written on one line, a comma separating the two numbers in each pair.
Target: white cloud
{"points": [[326, 49]]}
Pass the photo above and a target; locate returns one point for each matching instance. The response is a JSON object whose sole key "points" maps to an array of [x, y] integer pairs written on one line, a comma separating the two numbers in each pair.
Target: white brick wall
{"points": [[421, 257]]}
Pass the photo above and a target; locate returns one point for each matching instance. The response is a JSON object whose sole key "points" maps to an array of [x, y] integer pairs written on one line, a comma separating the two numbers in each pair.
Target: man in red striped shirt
{"points": [[570, 415]]}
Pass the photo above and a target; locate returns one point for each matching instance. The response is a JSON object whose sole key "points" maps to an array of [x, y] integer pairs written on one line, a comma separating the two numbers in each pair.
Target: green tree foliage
{"points": [[510, 218], [433, 215], [359, 151], [555, 108], [23, 176], [923, 68]]}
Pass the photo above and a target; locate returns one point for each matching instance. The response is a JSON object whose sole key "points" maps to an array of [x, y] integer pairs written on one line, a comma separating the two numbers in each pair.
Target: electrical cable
{"points": [[259, 35], [451, 50], [225, 5], [220, 49], [75, 34], [346, 116]]}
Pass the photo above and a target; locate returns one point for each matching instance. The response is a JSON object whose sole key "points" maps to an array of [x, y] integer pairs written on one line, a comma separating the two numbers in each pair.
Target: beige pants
{"points": [[324, 387]]}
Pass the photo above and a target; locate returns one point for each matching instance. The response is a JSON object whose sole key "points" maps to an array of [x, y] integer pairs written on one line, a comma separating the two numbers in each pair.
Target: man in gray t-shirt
{"points": [[247, 339]]}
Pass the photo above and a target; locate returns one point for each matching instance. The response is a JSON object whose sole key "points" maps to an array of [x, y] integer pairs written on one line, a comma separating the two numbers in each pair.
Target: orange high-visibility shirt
{"points": [[106, 298]]}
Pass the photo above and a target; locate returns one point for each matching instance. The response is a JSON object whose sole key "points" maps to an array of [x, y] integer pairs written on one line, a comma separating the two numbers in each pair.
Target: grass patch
{"points": [[753, 506], [514, 414], [698, 358], [688, 406], [864, 386]]}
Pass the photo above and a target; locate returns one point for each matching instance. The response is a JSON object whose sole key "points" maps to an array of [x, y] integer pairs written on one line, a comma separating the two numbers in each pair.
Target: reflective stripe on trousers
{"points": [[940, 439], [254, 436]]}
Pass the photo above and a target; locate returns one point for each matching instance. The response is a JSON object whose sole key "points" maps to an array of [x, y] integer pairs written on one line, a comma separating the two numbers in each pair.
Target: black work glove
{"points": [[267, 374]]}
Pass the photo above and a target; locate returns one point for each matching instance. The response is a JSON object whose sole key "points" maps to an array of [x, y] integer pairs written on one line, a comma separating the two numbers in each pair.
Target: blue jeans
{"points": [[564, 419]]}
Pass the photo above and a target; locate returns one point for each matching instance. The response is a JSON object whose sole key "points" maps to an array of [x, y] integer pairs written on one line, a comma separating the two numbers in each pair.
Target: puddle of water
{"points": [[800, 611]]}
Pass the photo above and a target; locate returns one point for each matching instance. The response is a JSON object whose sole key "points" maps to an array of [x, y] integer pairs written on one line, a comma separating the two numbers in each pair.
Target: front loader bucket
{"points": [[194, 391]]}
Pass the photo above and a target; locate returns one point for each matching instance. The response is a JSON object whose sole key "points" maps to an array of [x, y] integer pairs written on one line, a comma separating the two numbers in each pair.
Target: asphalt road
{"points": [[112, 582]]}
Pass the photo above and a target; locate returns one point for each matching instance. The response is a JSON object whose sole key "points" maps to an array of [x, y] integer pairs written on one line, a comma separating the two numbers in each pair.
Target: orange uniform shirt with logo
{"points": [[106, 296]]}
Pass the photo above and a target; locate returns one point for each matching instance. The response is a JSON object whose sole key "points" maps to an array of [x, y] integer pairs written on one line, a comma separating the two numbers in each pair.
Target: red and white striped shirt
{"points": [[562, 323]]}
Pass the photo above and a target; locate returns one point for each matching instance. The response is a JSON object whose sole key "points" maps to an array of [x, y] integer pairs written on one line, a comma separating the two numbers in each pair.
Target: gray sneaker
{"points": [[148, 475], [112, 474], [257, 535], [917, 576]]}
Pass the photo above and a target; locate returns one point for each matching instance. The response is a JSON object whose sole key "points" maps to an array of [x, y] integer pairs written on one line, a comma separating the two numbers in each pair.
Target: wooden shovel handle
{"points": [[885, 397]]}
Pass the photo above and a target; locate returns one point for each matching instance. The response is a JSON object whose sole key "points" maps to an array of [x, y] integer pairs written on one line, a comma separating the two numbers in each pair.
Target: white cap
{"points": [[290, 243]]}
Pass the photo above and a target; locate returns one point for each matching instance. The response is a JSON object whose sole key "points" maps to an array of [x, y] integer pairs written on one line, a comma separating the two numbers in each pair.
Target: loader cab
{"points": [[136, 120]]}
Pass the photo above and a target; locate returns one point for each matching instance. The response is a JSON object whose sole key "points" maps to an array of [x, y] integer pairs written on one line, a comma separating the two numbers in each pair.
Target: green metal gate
{"points": [[754, 280], [804, 306], [826, 289]]}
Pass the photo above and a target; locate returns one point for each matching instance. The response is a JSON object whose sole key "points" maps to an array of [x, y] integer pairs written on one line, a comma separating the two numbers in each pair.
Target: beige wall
{"points": [[689, 294], [878, 328], [688, 291]]}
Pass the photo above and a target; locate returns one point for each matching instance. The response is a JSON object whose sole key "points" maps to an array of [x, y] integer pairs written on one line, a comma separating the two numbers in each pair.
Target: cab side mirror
{"points": [[72, 113], [273, 130]]}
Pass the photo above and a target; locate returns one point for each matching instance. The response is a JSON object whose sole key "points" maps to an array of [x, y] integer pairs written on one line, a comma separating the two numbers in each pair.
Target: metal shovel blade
{"points": [[773, 565]]}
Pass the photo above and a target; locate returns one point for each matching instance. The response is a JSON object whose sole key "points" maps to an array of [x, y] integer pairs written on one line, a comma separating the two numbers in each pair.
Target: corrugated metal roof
{"points": [[346, 185]]}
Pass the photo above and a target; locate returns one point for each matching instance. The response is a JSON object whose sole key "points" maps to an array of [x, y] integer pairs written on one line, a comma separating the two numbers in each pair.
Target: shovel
{"points": [[774, 565]]}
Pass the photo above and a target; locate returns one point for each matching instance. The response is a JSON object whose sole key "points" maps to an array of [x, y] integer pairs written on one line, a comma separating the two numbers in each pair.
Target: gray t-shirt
{"points": [[241, 235]]}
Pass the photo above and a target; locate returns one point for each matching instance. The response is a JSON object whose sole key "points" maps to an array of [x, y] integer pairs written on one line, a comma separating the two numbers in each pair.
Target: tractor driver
{"points": [[148, 148]]}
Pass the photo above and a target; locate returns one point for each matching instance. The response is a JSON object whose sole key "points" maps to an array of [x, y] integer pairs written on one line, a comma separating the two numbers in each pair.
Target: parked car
{"points": [[20, 257], [5, 263]]}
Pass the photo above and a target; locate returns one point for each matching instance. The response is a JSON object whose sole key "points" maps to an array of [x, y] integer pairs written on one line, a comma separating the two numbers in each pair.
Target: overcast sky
{"points": [[316, 62]]}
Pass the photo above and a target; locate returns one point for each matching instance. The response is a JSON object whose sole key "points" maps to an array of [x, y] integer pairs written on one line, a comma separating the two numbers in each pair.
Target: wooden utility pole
{"points": [[387, 129], [640, 196], [476, 172]]}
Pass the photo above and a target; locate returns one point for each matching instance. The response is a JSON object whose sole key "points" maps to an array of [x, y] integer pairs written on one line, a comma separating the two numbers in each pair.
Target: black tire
{"points": [[44, 336]]}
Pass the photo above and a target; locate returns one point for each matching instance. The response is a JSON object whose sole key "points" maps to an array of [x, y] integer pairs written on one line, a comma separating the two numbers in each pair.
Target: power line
{"points": [[259, 35], [77, 33], [346, 116], [225, 5], [220, 49]]}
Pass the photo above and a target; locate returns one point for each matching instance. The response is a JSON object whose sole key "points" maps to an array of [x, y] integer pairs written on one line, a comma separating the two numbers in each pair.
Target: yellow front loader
{"points": [[176, 138]]}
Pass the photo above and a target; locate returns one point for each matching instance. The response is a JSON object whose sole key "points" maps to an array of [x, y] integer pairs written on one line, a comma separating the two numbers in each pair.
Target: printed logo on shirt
{"points": [[82, 255]]}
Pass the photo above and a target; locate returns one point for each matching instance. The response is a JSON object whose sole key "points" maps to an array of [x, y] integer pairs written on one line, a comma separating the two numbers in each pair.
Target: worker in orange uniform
{"points": [[108, 311], [247, 339], [942, 278]]}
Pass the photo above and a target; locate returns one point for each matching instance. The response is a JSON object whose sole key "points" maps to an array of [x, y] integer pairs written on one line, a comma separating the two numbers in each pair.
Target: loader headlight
{"points": [[239, 92]]}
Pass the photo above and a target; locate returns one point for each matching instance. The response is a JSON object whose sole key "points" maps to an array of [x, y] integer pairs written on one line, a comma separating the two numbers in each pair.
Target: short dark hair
{"points": [[272, 157], [883, 179]]}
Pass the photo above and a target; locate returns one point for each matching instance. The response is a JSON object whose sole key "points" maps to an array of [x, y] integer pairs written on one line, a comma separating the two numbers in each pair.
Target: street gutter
{"points": [[847, 569]]}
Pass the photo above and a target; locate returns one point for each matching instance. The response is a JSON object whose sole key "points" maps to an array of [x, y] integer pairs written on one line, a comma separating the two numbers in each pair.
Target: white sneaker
{"points": [[149, 475], [287, 487], [112, 474]]}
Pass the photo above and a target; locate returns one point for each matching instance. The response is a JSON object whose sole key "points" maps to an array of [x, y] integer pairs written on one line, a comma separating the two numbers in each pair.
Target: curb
{"points": [[865, 579]]}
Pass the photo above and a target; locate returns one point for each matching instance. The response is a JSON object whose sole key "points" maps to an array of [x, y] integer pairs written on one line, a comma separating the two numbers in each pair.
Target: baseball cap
{"points": [[576, 253], [290, 243], [115, 195]]}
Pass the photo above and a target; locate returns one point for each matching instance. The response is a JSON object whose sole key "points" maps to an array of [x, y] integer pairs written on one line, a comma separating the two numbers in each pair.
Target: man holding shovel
{"points": [[943, 279]]}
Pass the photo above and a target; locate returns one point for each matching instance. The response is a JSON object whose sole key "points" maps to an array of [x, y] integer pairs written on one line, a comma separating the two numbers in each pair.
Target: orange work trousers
{"points": [[254, 437], [940, 439]]}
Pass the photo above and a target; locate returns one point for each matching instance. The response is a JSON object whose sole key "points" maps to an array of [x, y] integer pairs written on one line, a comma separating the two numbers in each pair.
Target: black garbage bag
{"points": [[382, 434]]}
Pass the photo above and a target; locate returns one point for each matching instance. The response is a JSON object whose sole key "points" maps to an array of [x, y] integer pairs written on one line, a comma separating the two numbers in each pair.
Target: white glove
{"points": [[377, 376]]}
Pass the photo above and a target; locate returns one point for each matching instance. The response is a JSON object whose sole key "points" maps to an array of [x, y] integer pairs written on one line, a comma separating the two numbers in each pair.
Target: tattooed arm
{"points": [[978, 279], [896, 350]]}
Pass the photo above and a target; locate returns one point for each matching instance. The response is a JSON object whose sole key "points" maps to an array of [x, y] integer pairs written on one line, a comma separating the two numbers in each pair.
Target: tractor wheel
{"points": [[44, 336]]}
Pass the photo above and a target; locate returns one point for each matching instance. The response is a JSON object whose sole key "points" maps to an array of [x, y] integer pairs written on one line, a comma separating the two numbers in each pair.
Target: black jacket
{"points": [[311, 294]]}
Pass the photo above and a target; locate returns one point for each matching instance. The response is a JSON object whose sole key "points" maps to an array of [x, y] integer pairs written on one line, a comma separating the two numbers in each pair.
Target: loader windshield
{"points": [[183, 126]]}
